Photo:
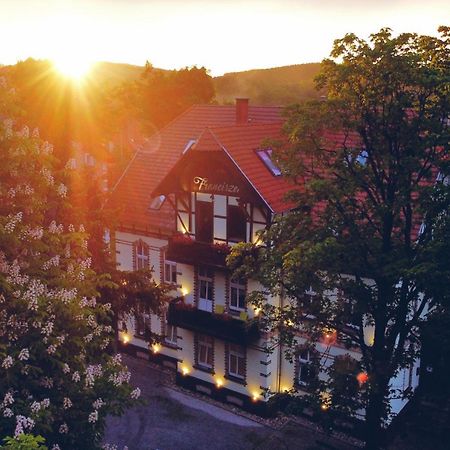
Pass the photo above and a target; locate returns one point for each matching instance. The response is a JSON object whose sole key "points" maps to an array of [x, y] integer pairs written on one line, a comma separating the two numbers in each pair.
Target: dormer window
{"points": [[266, 158], [361, 159], [157, 202], [188, 146]]}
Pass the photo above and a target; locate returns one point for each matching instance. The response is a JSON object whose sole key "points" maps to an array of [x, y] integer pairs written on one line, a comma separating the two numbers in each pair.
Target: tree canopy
{"points": [[160, 95], [366, 239], [58, 377]]}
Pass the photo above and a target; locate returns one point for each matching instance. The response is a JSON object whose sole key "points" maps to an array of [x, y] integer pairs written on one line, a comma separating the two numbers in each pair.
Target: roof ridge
{"points": [[250, 124], [125, 171], [209, 130], [173, 120], [239, 168]]}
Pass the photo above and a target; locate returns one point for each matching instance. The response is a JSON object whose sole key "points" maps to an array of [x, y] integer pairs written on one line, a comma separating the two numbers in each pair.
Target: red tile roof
{"points": [[133, 192], [241, 143]]}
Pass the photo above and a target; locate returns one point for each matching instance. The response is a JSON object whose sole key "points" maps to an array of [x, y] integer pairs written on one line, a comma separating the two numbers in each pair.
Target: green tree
{"points": [[24, 442], [364, 163], [160, 95], [58, 378]]}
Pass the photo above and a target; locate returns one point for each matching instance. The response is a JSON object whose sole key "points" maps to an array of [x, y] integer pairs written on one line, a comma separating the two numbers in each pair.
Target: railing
{"points": [[221, 326], [188, 251]]}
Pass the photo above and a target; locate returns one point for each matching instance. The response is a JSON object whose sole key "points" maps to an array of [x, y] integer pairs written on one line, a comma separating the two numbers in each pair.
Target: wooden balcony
{"points": [[186, 250], [222, 326]]}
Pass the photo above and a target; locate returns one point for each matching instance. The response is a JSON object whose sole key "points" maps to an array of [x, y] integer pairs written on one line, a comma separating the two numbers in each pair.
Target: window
{"points": [[89, 160], [204, 221], [236, 224], [236, 361], [237, 295], [141, 250], [142, 324], [306, 371], [205, 349], [170, 272], [361, 159], [266, 158], [205, 286], [171, 334], [307, 299], [157, 202], [188, 146]]}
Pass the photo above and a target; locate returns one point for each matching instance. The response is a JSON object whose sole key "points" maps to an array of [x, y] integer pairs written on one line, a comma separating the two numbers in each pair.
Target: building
{"points": [[205, 182]]}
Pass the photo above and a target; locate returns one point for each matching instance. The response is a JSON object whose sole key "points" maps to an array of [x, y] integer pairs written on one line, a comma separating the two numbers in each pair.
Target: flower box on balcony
{"points": [[222, 326], [184, 249]]}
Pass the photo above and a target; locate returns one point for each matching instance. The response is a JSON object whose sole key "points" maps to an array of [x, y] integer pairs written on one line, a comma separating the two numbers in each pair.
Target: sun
{"points": [[72, 67]]}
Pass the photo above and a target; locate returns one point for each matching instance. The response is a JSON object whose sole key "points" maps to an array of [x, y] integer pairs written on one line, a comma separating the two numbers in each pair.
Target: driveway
{"points": [[174, 420]]}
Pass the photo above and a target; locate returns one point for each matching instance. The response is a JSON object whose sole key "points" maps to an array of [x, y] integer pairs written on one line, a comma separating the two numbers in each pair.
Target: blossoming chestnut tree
{"points": [[57, 376]]}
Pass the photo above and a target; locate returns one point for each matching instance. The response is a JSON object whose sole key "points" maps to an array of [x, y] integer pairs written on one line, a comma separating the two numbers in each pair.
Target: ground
{"points": [[175, 420]]}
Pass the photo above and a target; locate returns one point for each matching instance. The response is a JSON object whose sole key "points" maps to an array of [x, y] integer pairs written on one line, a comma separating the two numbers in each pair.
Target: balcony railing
{"points": [[185, 250], [221, 326]]}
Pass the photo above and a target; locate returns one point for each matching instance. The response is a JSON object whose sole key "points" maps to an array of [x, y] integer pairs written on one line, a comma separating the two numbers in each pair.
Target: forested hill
{"points": [[276, 86]]}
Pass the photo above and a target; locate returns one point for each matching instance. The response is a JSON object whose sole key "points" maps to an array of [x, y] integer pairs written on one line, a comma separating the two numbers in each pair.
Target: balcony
{"points": [[186, 250], [221, 326]]}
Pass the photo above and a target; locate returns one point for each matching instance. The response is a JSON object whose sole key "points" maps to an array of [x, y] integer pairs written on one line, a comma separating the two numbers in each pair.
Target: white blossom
{"points": [[135, 394], [7, 362], [24, 354], [35, 407], [76, 376], [67, 403], [64, 429], [93, 417], [8, 399], [48, 177], [7, 412], [98, 403], [62, 190], [46, 148], [13, 220], [23, 423], [53, 261]]}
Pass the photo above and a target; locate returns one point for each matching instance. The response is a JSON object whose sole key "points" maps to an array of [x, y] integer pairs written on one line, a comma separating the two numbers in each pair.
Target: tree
{"points": [[24, 442], [58, 378], [160, 96], [364, 163]]}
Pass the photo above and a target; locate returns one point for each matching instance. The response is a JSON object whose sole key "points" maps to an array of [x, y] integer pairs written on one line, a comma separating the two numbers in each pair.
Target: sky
{"points": [[221, 35]]}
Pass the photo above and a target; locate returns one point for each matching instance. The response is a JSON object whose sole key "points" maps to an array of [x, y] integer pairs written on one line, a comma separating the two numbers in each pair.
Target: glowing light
{"points": [[255, 396], [185, 291], [219, 382], [184, 370], [362, 378], [330, 336], [125, 338], [71, 66], [257, 311], [325, 400], [156, 348]]}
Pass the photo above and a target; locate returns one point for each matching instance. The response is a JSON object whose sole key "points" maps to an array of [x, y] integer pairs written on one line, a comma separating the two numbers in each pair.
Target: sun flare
{"points": [[71, 67]]}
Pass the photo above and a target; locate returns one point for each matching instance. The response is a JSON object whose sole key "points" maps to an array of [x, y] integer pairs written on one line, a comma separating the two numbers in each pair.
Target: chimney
{"points": [[241, 110]]}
